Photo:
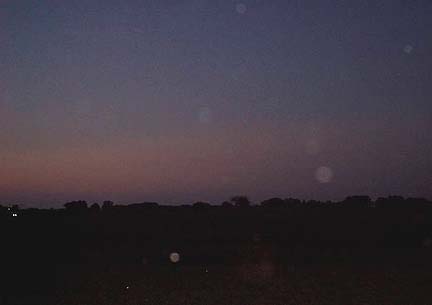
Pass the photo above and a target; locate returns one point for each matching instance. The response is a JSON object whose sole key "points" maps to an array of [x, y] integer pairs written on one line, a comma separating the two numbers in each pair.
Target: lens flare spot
{"points": [[324, 174], [204, 115], [408, 48], [174, 257], [241, 8]]}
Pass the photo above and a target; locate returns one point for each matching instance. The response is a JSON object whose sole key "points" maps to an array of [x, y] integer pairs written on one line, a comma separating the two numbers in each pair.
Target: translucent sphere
{"points": [[174, 257], [324, 174], [241, 8]]}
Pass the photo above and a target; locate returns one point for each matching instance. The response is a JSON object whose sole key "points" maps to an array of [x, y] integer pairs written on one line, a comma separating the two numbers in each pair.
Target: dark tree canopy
{"points": [[95, 207], [201, 204], [240, 201], [75, 206], [227, 204], [273, 203], [293, 202], [357, 201], [144, 205], [107, 204]]}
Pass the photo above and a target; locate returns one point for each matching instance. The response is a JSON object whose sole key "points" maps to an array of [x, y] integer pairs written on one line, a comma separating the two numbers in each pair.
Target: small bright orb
{"points": [[241, 8], [14, 214], [408, 49], [324, 174], [174, 257], [204, 115], [127, 287]]}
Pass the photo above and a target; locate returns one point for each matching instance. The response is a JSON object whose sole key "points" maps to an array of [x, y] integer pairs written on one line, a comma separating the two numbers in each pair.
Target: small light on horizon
{"points": [[14, 214]]}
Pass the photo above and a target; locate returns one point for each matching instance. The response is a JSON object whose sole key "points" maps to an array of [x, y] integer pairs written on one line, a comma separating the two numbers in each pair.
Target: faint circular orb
{"points": [[408, 49], [312, 147], [324, 174], [241, 8], [174, 257], [204, 115]]}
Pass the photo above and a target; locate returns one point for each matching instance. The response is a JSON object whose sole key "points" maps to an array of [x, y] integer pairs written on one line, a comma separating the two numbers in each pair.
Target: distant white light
{"points": [[241, 8], [14, 214], [204, 115], [324, 174], [127, 287], [174, 257], [408, 49]]}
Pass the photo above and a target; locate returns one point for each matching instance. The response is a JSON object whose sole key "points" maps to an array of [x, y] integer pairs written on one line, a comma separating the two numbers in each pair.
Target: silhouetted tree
{"points": [[240, 201], [107, 204], [292, 202], [418, 203], [227, 204], [95, 207], [273, 203], [143, 205], [313, 203], [76, 206], [390, 202], [357, 201], [201, 204]]}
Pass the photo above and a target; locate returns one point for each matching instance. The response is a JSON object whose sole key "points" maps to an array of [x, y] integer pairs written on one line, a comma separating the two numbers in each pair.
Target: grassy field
{"points": [[263, 282], [228, 257]]}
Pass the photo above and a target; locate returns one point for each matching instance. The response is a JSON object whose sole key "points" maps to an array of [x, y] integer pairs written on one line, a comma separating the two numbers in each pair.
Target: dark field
{"points": [[254, 255]]}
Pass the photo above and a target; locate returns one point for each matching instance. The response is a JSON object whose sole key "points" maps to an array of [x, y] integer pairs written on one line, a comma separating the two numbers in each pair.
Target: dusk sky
{"points": [[177, 101]]}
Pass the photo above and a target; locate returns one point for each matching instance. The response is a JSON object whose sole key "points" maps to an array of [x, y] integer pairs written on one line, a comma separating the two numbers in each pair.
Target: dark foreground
{"points": [[261, 283], [226, 256]]}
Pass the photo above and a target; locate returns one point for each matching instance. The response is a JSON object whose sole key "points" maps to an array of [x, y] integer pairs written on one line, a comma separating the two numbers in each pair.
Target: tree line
{"points": [[241, 201]]}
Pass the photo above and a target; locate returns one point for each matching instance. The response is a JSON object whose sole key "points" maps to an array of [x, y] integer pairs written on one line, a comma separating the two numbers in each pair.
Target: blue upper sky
{"points": [[185, 100]]}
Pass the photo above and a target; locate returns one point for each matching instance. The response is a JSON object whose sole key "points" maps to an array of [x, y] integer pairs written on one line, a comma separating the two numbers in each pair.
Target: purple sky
{"points": [[183, 100]]}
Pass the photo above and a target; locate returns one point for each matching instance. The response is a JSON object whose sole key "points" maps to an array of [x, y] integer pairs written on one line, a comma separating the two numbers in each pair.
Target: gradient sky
{"points": [[183, 100]]}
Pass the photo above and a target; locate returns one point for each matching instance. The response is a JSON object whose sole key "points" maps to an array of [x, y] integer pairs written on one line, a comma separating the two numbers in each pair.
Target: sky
{"points": [[177, 101]]}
